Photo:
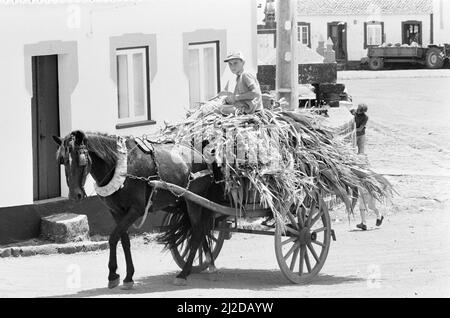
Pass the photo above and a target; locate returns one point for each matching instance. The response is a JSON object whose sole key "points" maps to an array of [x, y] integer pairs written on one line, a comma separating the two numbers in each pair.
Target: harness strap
{"points": [[147, 207]]}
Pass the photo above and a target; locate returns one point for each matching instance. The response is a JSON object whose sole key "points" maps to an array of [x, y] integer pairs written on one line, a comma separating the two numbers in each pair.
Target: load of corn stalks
{"points": [[281, 157]]}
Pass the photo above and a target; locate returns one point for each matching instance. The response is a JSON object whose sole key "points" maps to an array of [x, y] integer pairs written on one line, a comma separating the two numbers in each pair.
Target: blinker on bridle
{"points": [[83, 158], [83, 161]]}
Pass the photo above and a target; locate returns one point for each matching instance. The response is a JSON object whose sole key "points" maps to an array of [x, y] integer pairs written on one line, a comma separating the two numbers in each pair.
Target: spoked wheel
{"points": [[302, 250], [200, 263]]}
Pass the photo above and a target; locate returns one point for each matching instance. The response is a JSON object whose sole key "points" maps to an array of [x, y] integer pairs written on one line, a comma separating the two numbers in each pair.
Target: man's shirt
{"points": [[246, 82]]}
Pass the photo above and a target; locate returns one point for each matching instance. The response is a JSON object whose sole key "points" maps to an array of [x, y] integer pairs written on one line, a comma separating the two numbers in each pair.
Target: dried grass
{"points": [[280, 156]]}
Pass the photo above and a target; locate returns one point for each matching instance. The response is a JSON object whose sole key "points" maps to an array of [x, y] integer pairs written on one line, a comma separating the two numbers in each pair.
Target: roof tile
{"points": [[363, 7]]}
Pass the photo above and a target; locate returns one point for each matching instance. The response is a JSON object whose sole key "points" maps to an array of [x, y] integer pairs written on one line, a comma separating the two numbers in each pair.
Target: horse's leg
{"points": [[207, 223], [128, 281], [212, 269], [122, 225], [113, 277], [197, 236]]}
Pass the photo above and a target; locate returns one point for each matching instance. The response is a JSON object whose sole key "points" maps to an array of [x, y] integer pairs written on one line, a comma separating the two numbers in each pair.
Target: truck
{"points": [[432, 56]]}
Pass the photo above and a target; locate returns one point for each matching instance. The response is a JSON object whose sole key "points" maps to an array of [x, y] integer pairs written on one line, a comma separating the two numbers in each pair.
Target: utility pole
{"points": [[287, 65]]}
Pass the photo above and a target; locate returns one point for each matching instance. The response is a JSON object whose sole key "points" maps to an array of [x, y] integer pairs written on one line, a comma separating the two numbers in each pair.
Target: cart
{"points": [[302, 240], [432, 56]]}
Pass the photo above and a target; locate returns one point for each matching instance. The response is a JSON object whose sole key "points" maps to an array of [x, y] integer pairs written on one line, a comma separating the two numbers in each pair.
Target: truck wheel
{"points": [[376, 63], [434, 58]]}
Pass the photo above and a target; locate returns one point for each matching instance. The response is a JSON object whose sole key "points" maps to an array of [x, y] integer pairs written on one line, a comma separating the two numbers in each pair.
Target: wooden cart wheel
{"points": [[302, 250], [199, 264]]}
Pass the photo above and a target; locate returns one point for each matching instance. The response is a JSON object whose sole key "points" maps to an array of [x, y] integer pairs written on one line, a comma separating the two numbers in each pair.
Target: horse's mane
{"points": [[103, 145]]}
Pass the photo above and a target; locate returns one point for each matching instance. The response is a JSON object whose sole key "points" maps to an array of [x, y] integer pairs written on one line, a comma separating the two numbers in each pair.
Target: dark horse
{"points": [[127, 197]]}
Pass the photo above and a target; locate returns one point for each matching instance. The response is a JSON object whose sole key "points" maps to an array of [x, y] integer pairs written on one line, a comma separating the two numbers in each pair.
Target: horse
{"points": [[112, 161]]}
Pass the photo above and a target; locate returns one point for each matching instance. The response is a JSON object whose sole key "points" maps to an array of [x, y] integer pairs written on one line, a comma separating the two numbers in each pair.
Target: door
{"points": [[45, 124], [411, 32], [337, 31]]}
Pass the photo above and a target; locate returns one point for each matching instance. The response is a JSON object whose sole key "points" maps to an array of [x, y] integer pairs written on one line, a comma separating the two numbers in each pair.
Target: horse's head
{"points": [[73, 154]]}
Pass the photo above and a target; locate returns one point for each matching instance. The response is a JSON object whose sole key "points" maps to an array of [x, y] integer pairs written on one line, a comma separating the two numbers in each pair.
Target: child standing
{"points": [[366, 202], [361, 120]]}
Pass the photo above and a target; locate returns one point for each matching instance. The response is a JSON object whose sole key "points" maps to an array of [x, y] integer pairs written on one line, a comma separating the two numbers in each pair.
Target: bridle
{"points": [[84, 161]]}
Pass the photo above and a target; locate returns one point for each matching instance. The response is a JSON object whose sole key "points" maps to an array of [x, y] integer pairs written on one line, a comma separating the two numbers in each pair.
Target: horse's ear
{"points": [[80, 137], [58, 140]]}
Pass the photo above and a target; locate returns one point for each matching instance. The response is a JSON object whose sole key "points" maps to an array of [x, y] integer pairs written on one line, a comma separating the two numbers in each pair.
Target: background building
{"points": [[441, 19], [354, 25]]}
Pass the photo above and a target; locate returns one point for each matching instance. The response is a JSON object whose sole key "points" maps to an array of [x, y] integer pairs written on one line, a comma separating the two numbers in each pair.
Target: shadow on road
{"points": [[226, 279], [368, 230]]}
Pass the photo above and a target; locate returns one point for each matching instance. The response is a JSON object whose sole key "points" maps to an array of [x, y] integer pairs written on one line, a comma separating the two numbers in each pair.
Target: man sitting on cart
{"points": [[246, 97]]}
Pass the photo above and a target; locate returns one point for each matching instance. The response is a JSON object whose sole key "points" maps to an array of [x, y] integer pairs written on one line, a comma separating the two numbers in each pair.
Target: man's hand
{"points": [[231, 99], [224, 93]]}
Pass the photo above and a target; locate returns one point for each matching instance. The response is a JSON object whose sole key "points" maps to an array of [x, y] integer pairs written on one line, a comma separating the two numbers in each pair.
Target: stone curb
{"points": [[49, 249]]}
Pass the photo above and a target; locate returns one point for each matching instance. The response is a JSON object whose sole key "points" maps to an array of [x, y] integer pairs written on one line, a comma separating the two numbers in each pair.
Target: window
{"points": [[133, 84], [373, 33], [304, 33], [203, 72], [411, 32]]}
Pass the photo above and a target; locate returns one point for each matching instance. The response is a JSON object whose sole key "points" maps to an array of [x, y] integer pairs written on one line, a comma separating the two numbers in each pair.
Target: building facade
{"points": [[441, 21], [354, 25], [119, 67]]}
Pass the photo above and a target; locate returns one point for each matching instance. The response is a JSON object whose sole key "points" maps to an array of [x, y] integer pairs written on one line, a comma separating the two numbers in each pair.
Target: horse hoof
{"points": [[127, 285], [114, 283], [180, 281]]}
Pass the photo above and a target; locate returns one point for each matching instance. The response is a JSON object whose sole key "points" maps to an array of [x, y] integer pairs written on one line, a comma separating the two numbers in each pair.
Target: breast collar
{"points": [[119, 174]]}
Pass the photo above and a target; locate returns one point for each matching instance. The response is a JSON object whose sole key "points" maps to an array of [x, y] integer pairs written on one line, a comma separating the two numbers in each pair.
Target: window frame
{"points": [[366, 24], [135, 120], [300, 26], [216, 45]]}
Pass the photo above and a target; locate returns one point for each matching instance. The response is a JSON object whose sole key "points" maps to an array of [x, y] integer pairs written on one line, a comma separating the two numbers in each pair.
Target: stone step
{"points": [[65, 227]]}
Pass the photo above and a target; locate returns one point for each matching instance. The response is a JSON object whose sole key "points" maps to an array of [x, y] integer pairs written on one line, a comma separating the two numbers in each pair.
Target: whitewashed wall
{"points": [[355, 29], [93, 103], [441, 10]]}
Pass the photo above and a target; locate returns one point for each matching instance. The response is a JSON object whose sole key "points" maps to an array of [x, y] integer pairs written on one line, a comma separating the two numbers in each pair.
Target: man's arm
{"points": [[254, 93]]}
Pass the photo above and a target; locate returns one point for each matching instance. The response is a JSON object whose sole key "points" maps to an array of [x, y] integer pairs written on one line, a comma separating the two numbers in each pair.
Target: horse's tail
{"points": [[178, 230]]}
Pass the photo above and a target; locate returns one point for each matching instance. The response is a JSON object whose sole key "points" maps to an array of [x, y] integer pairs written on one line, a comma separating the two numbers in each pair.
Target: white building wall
{"points": [[441, 13], [355, 29], [93, 103]]}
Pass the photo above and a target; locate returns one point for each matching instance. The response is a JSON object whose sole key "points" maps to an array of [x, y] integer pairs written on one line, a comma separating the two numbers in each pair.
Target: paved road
{"points": [[409, 256]]}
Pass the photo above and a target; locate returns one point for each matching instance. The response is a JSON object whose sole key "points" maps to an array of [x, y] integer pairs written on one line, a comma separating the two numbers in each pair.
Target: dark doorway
{"points": [[337, 31], [411, 32], [45, 123]]}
